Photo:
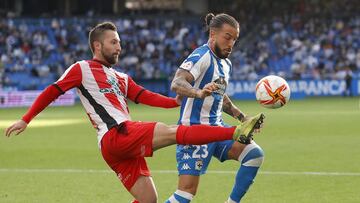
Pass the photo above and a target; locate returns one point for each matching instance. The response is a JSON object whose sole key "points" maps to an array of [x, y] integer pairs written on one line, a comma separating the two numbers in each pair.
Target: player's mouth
{"points": [[228, 51]]}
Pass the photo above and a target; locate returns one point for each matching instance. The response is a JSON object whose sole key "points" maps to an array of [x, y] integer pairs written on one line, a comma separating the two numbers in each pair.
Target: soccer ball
{"points": [[272, 92]]}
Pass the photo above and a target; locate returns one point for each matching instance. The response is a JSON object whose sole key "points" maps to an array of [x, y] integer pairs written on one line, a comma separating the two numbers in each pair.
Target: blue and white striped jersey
{"points": [[206, 67]]}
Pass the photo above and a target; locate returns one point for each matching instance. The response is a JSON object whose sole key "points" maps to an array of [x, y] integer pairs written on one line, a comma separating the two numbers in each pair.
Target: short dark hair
{"points": [[96, 32], [217, 21]]}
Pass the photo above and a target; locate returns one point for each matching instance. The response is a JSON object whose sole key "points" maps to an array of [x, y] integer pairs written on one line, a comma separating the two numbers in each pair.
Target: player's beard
{"points": [[219, 53], [112, 58]]}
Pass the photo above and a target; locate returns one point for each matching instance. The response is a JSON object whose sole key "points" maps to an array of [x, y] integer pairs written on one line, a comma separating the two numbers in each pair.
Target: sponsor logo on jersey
{"points": [[186, 147], [114, 88], [187, 65], [186, 156], [185, 167], [122, 179], [119, 176]]}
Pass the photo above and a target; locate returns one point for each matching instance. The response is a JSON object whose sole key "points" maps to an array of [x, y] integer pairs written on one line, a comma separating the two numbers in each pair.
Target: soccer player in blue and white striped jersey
{"points": [[209, 64]]}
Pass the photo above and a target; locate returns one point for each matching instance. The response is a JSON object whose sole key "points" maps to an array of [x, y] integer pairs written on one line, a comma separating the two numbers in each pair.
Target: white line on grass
{"points": [[28, 170]]}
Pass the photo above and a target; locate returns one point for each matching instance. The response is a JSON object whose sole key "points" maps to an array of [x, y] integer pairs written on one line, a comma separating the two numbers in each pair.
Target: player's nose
{"points": [[118, 49]]}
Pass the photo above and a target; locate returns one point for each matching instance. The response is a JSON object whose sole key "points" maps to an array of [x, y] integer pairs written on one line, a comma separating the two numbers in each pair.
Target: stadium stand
{"points": [[312, 43]]}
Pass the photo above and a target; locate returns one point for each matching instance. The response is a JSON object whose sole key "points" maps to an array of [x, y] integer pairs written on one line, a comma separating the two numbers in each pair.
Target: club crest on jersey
{"points": [[221, 84], [198, 165], [114, 88]]}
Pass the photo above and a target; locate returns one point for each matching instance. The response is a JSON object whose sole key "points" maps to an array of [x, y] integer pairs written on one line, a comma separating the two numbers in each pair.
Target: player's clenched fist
{"points": [[207, 90]]}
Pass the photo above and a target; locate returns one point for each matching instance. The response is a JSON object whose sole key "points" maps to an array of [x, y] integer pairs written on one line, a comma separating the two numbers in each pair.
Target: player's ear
{"points": [[212, 33], [97, 45]]}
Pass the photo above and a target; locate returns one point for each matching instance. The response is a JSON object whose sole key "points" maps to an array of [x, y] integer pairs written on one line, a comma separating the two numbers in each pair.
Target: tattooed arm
{"points": [[181, 84], [232, 110]]}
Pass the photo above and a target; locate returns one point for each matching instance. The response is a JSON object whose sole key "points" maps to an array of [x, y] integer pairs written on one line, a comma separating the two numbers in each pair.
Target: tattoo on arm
{"points": [[181, 84], [231, 109], [227, 106]]}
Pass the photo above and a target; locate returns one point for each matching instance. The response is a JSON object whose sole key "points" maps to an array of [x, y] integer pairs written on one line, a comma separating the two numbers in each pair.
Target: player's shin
{"points": [[251, 159], [202, 134]]}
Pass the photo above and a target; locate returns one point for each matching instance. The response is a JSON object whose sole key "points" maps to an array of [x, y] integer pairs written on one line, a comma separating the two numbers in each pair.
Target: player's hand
{"points": [[207, 90], [18, 127], [178, 99]]}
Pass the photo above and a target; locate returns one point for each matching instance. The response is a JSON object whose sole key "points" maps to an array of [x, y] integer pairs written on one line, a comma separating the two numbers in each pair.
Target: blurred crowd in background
{"points": [[313, 41]]}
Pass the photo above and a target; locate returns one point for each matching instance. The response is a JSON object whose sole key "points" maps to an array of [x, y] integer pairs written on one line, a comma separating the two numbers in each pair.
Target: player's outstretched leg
{"points": [[202, 134], [165, 135], [244, 131]]}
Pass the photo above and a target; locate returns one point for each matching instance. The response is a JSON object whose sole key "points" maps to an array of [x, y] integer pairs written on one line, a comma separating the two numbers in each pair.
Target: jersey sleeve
{"points": [[196, 63], [71, 78], [41, 102], [138, 94], [134, 90]]}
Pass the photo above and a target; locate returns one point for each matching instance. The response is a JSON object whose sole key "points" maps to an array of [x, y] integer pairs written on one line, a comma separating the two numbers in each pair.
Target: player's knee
{"points": [[253, 155], [166, 130], [164, 135], [260, 153]]}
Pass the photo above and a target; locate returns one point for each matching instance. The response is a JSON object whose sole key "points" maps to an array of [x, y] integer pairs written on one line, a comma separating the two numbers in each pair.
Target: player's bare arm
{"points": [[232, 110], [181, 84]]}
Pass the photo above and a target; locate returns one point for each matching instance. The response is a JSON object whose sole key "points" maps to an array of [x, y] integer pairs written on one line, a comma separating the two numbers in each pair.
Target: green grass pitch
{"points": [[57, 160]]}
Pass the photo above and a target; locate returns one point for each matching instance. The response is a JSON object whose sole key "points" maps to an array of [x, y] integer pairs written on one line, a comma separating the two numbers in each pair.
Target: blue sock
{"points": [[180, 197], [251, 159]]}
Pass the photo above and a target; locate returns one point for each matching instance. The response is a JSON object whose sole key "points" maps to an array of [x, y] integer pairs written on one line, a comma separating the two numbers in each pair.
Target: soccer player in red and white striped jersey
{"points": [[104, 92]]}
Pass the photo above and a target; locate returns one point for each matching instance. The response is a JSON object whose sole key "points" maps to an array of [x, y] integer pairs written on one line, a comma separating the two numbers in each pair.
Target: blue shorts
{"points": [[194, 159]]}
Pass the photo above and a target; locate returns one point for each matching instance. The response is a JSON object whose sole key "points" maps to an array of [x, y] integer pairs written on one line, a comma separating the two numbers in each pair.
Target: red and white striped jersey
{"points": [[102, 91]]}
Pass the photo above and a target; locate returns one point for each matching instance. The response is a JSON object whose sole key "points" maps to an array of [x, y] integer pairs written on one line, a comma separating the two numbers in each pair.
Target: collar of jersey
{"points": [[102, 62]]}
